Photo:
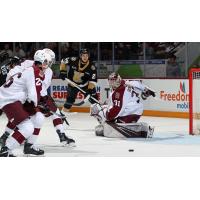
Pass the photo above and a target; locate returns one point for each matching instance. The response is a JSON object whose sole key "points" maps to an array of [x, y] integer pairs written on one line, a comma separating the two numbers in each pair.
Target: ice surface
{"points": [[171, 138]]}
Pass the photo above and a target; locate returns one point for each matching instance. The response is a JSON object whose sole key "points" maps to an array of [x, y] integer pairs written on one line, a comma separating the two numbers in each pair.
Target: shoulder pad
{"points": [[93, 67], [73, 58], [65, 60]]}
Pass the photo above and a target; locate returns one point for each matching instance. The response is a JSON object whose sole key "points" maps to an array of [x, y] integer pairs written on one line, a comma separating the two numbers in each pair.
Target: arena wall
{"points": [[172, 96]]}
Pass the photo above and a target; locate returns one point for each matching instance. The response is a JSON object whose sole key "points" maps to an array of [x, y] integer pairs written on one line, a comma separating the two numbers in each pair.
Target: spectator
{"points": [[173, 69], [7, 50], [149, 51], [19, 52]]}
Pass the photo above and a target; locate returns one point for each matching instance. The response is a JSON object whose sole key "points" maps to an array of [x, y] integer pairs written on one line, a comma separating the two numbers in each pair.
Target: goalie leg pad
{"points": [[130, 130], [99, 130]]}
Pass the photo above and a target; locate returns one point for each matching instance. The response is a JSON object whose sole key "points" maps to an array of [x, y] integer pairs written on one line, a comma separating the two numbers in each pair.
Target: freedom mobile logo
{"points": [[181, 97]]}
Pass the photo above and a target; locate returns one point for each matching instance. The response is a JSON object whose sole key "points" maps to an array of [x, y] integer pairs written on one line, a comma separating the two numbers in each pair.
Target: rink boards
{"points": [[172, 96]]}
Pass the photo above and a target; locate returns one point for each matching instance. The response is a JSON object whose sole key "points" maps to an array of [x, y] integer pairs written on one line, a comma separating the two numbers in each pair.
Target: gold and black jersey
{"points": [[78, 72]]}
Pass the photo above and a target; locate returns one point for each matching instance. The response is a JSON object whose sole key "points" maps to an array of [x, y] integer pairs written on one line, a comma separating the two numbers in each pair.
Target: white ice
{"points": [[171, 138]]}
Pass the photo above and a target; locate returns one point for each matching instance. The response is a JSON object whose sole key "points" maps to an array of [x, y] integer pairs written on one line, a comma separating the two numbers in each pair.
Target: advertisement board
{"points": [[172, 95]]}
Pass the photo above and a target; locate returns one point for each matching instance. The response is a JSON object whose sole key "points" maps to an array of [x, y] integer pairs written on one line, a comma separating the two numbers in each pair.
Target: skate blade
{"points": [[71, 145], [32, 155]]}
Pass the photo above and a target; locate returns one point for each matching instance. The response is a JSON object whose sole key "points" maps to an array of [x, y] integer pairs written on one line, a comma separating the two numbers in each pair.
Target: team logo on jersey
{"points": [[117, 95], [77, 77]]}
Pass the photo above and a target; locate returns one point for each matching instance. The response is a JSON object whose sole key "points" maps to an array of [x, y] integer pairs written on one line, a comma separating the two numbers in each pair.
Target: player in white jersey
{"points": [[120, 117], [50, 107], [21, 87], [46, 101]]}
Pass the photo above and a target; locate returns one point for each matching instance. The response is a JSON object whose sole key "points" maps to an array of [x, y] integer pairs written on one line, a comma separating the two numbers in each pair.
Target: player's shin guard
{"points": [[33, 138], [25, 129]]}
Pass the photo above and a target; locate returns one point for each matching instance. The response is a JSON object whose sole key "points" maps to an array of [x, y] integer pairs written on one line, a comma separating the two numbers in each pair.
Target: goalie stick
{"points": [[84, 92]]}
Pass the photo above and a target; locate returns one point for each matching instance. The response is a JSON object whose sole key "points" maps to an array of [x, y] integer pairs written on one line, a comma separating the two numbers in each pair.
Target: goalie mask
{"points": [[114, 80]]}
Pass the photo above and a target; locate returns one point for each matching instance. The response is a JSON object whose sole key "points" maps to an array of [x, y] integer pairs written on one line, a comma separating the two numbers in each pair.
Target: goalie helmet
{"points": [[114, 80], [52, 55]]}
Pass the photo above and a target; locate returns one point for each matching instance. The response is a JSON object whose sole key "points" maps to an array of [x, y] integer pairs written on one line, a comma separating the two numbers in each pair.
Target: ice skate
{"points": [[5, 152], [3, 139], [30, 149], [66, 141]]}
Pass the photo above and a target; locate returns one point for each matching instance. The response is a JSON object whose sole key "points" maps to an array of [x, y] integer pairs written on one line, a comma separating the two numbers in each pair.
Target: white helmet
{"points": [[39, 56], [114, 80], [52, 54]]}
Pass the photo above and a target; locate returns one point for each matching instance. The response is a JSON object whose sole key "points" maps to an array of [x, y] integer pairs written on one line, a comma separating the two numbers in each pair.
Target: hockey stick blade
{"points": [[62, 116]]}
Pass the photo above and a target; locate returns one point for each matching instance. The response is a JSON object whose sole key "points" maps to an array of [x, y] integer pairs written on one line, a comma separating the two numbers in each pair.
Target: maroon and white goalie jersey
{"points": [[125, 100]]}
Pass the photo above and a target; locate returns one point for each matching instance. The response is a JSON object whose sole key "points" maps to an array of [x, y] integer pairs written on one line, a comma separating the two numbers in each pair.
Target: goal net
{"points": [[194, 92]]}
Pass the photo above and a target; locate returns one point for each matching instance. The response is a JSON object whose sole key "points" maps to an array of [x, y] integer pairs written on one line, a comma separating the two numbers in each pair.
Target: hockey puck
{"points": [[131, 150]]}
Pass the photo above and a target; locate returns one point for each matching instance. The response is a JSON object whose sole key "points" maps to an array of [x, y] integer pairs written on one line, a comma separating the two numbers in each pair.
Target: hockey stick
{"points": [[61, 115], [74, 104], [81, 90]]}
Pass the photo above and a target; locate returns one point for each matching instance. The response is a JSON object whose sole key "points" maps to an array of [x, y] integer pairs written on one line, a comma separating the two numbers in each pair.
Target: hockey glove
{"points": [[99, 112], [146, 93], [29, 107]]}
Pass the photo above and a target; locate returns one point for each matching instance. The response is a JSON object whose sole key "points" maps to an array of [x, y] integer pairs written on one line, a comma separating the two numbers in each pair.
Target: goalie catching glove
{"points": [[147, 93], [99, 112]]}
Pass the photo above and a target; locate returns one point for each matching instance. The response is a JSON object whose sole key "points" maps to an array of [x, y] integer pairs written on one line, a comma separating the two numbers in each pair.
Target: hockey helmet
{"points": [[114, 80], [39, 56], [52, 54]]}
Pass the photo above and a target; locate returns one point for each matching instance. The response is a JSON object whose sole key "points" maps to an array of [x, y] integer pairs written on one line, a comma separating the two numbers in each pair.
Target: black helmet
{"points": [[84, 51]]}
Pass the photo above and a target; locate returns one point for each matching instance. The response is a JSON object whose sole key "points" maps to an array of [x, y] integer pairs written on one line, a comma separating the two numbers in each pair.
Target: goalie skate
{"points": [[150, 132]]}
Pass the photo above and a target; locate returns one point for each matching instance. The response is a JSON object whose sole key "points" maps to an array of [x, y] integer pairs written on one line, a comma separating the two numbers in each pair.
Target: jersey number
{"points": [[117, 103], [38, 82]]}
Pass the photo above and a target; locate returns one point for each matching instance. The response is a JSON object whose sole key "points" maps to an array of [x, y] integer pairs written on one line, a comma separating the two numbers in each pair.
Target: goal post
{"points": [[194, 98]]}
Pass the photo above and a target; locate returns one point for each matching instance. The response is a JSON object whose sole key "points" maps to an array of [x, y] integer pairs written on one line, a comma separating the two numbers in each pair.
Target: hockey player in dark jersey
{"points": [[3, 67], [82, 72], [7, 63]]}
